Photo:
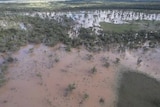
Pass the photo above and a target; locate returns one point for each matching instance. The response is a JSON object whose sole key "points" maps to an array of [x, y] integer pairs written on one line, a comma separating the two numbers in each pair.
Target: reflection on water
{"points": [[138, 90], [92, 18]]}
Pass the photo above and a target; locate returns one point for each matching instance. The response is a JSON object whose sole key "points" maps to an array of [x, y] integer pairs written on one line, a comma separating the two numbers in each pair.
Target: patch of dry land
{"points": [[52, 77]]}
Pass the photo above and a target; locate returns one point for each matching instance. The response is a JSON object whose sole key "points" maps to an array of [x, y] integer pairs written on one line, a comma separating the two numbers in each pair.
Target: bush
{"points": [[93, 70], [101, 100], [69, 89], [107, 64]]}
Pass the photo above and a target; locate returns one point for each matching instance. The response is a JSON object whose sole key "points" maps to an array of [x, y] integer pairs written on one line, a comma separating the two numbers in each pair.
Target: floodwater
{"points": [[92, 18], [41, 75], [138, 90], [87, 18]]}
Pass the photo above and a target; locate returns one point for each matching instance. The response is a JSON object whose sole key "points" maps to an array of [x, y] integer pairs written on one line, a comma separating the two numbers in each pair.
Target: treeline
{"points": [[80, 5], [121, 41], [142, 6], [47, 31], [50, 32]]}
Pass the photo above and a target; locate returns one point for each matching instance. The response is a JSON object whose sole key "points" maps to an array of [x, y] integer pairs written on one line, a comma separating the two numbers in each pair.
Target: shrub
{"points": [[101, 100], [107, 64], [69, 89], [93, 70]]}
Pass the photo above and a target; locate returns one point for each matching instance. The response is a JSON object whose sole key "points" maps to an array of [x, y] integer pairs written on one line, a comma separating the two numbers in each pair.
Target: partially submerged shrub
{"points": [[68, 48], [139, 61], [10, 59], [84, 97], [93, 70], [3, 68], [107, 64], [89, 57], [31, 50], [2, 79], [101, 100], [56, 59], [69, 89], [117, 61]]}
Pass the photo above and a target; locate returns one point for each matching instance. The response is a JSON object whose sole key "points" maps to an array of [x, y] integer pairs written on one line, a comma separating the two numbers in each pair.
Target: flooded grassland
{"points": [[59, 76]]}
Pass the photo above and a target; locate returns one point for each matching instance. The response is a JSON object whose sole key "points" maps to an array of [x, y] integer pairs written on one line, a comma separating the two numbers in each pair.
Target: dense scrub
{"points": [[50, 32], [38, 30], [121, 41], [46, 30]]}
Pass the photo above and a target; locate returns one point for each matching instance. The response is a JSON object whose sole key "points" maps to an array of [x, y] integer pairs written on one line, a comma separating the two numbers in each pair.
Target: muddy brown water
{"points": [[41, 75], [138, 90]]}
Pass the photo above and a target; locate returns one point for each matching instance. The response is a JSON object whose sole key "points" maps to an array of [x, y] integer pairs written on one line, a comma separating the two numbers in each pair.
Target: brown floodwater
{"points": [[41, 75]]}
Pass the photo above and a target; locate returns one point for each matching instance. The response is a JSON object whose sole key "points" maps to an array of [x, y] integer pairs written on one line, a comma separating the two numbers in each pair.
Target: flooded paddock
{"points": [[41, 76]]}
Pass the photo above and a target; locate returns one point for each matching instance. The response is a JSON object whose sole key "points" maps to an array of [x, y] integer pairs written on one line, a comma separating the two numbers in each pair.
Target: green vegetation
{"points": [[69, 89], [80, 4], [138, 90], [118, 28], [46, 31], [139, 61], [3, 68], [39, 75], [117, 61], [31, 50], [146, 25], [85, 96], [107, 64], [2, 79], [56, 59], [50, 32], [131, 26], [94, 70], [89, 56]]}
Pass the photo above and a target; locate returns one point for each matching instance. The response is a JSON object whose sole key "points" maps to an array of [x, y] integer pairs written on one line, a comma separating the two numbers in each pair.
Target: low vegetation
{"points": [[119, 28], [46, 31], [3, 69], [2, 79], [84, 98], [107, 64], [101, 100], [135, 26], [69, 89], [78, 4], [93, 70]]}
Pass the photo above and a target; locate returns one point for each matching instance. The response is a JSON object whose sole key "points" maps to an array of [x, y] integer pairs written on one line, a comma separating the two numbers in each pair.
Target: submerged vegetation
{"points": [[17, 29], [2, 79], [46, 31], [69, 89]]}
